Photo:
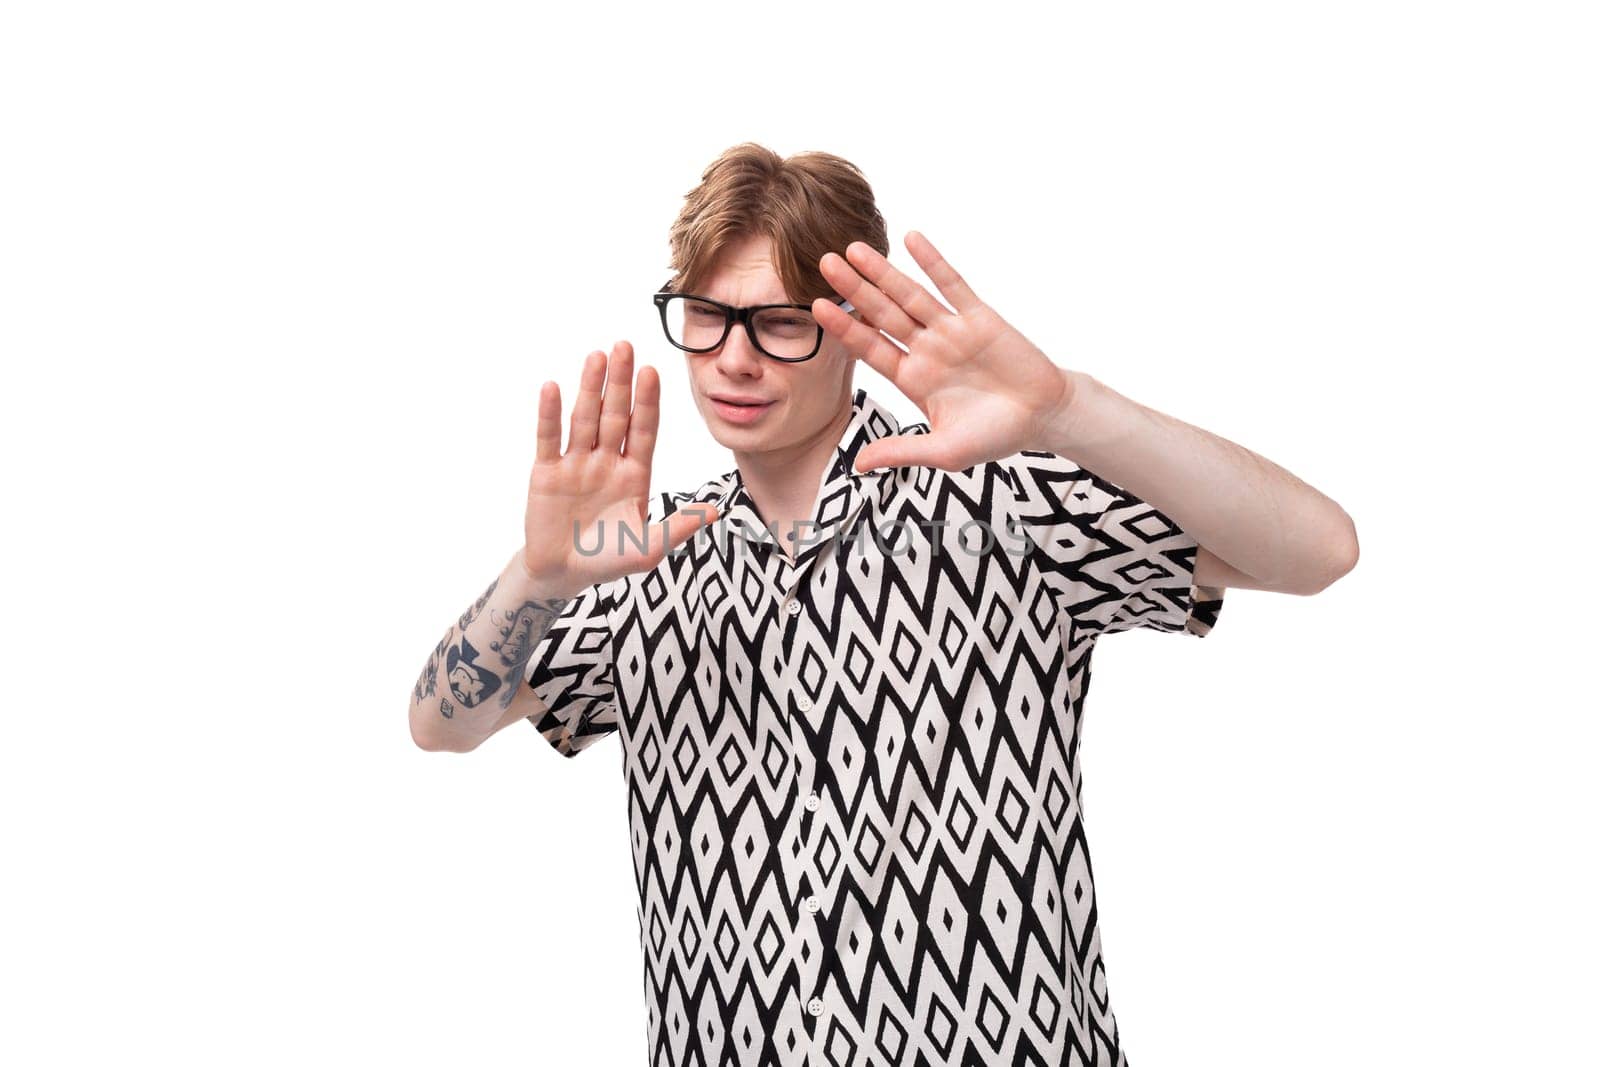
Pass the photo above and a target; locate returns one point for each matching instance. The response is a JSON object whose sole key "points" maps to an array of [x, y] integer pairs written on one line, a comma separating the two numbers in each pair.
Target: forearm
{"points": [[1242, 507], [477, 668]]}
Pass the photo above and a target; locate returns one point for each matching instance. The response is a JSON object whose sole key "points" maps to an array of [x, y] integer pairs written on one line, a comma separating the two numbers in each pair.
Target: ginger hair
{"points": [[808, 204]]}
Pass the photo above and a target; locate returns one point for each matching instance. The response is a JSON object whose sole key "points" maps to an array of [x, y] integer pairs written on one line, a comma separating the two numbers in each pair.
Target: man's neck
{"points": [[783, 483]]}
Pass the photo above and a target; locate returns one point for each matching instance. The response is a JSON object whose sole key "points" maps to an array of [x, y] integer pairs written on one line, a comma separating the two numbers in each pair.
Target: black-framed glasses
{"points": [[698, 324]]}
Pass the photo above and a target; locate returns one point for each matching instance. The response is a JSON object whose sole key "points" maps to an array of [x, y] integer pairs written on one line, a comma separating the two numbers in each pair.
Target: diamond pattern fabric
{"points": [[853, 776]]}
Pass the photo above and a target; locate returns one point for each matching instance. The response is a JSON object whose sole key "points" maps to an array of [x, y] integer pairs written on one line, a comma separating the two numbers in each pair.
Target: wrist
{"points": [[530, 586], [1065, 426]]}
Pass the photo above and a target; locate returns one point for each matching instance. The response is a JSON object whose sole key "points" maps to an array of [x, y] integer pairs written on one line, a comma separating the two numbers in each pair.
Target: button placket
{"points": [[809, 931], [794, 626], [805, 949]]}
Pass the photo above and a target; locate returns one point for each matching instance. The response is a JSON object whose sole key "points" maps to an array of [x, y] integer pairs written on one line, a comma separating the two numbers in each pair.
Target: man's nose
{"points": [[738, 354]]}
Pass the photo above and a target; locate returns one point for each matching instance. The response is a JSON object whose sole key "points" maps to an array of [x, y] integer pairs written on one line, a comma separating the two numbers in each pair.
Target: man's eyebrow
{"points": [[779, 299]]}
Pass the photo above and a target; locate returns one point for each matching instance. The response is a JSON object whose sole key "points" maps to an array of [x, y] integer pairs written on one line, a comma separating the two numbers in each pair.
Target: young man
{"points": [[848, 675]]}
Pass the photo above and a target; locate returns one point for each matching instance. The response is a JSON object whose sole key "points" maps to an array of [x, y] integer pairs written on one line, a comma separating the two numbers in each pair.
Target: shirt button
{"points": [[813, 802], [802, 703], [812, 904], [814, 1006], [792, 607]]}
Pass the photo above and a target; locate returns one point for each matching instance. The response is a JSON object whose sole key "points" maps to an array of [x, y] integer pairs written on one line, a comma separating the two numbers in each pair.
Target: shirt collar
{"points": [[841, 492]]}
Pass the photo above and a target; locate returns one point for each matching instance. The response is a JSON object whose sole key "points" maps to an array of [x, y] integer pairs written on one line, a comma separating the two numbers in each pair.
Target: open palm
{"points": [[596, 494], [987, 390]]}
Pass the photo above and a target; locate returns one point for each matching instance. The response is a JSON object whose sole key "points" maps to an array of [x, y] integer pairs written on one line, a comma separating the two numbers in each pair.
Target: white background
{"points": [[279, 284]]}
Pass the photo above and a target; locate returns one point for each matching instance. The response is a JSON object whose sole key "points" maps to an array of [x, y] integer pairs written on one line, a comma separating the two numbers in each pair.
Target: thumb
{"points": [[899, 451], [685, 522]]}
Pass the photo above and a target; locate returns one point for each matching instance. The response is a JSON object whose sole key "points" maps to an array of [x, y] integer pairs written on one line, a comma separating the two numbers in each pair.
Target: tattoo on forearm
{"points": [[472, 612], [426, 681], [520, 632], [471, 682]]}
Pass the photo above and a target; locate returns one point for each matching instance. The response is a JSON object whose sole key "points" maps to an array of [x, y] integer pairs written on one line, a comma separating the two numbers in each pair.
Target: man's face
{"points": [[799, 399]]}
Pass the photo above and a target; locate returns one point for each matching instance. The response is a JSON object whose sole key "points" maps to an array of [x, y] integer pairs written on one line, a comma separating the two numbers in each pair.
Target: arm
{"points": [[989, 392], [1213, 572], [472, 684], [1259, 525]]}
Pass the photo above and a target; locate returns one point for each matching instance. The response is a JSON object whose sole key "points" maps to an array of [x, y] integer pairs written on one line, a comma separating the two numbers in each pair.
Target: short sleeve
{"points": [[571, 671], [1118, 562]]}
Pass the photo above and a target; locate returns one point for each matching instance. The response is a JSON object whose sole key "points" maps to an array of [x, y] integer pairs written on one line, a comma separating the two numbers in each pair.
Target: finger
{"points": [[860, 340], [618, 402], [866, 320], [686, 522], [867, 298], [917, 301], [904, 450], [549, 434], [586, 409], [661, 538], [646, 415], [936, 267]]}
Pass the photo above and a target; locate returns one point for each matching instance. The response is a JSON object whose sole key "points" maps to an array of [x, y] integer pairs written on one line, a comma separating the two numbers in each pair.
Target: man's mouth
{"points": [[740, 409]]}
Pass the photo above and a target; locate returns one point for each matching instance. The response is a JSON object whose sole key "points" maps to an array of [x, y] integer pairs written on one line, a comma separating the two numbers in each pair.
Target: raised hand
{"points": [[987, 391], [601, 484]]}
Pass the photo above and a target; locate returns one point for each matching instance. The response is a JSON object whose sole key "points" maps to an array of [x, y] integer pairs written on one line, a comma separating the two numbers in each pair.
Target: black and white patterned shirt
{"points": [[853, 777]]}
